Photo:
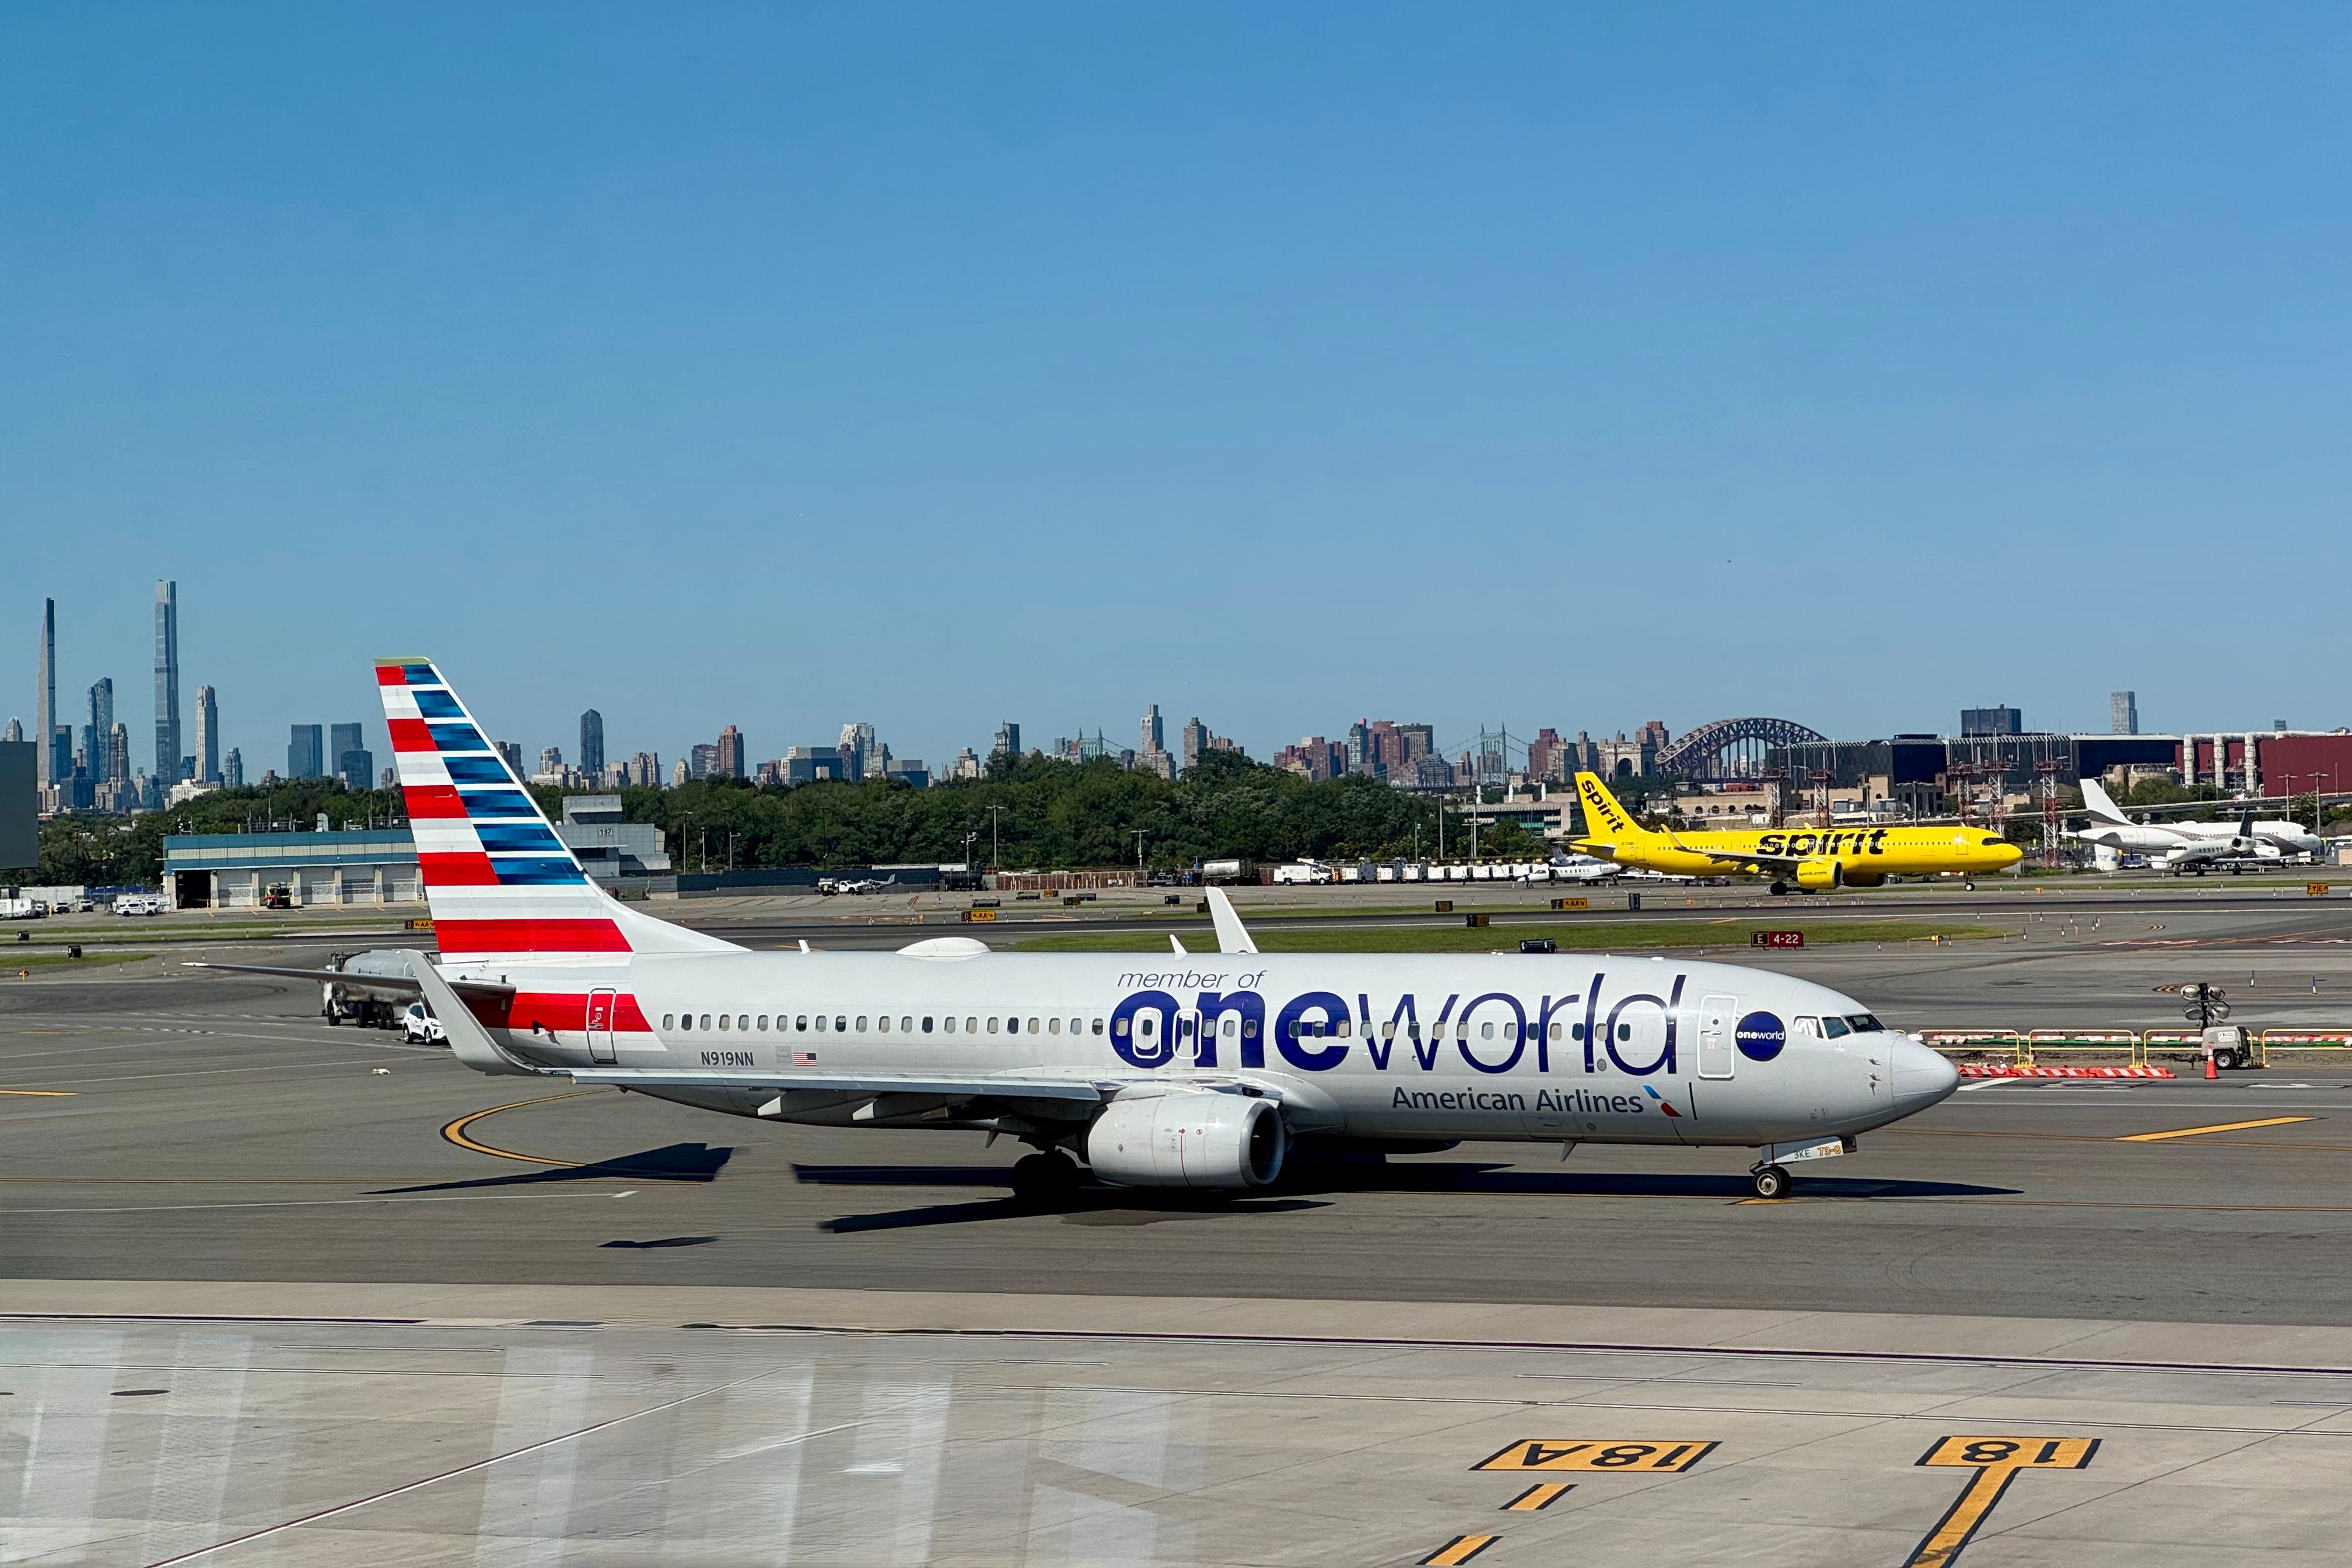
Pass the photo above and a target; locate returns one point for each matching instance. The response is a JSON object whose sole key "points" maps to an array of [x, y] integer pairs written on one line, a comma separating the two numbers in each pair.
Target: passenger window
{"points": [[1033, 1025], [1345, 1024], [1485, 1031], [861, 1024], [992, 1025], [1233, 1028], [885, 1022], [972, 1026], [1624, 1031], [1098, 1025], [724, 1020], [669, 1020], [801, 1023], [763, 1023], [1053, 1025], [1388, 1030], [1575, 1031], [950, 1025], [1555, 1033], [1149, 1023], [743, 1020], [1121, 1026], [687, 1022], [820, 1022], [840, 1024], [908, 1024], [706, 1020], [927, 1023]]}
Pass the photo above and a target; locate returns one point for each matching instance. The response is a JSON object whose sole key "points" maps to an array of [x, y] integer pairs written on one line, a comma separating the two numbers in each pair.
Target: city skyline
{"points": [[213, 744]]}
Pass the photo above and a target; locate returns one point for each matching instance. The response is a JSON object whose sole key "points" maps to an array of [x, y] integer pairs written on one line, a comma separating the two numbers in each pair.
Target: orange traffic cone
{"points": [[2210, 1071]]}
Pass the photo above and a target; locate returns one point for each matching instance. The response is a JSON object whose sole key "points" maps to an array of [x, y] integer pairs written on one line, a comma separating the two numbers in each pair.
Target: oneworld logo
{"points": [[1762, 1035]]}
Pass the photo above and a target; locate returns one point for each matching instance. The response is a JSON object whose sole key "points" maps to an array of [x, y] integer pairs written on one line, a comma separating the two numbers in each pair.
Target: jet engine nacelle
{"points": [[1187, 1138], [1820, 876]]}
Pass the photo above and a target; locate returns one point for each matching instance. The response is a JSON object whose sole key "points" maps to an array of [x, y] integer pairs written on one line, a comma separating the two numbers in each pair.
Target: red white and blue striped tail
{"points": [[501, 883]]}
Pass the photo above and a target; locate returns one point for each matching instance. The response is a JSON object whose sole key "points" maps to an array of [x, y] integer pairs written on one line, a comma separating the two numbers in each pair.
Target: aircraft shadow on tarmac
{"points": [[1096, 1205], [671, 1163]]}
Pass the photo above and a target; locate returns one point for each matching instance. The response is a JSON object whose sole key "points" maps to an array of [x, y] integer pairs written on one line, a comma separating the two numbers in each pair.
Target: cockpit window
{"points": [[1835, 1027], [1863, 1024]]}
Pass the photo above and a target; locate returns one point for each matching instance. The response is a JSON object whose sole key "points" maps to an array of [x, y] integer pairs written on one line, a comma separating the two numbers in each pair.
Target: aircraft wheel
{"points": [[1969, 887], [1042, 1178], [1771, 1182], [1780, 889]]}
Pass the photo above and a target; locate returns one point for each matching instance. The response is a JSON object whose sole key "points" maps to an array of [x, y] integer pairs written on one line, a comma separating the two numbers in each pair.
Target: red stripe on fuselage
{"points": [[563, 1010], [433, 803], [410, 734], [458, 868], [529, 936]]}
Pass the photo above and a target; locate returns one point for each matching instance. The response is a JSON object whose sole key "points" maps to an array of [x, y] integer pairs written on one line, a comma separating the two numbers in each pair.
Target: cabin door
{"points": [[600, 1025]]}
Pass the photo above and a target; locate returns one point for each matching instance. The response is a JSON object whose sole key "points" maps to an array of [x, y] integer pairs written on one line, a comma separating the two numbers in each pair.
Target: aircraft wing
{"points": [[399, 984], [977, 1086]]}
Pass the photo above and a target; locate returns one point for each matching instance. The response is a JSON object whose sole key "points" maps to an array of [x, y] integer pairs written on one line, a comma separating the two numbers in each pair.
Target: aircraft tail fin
{"points": [[1605, 821], [2097, 802], [498, 879]]}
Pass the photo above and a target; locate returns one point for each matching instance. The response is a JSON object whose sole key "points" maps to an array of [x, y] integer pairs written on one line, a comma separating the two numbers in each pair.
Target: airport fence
{"points": [[2022, 1047]]}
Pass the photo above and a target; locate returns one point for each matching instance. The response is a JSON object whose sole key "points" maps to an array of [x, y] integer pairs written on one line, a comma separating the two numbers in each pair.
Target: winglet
{"points": [[468, 1041], [1232, 935], [1177, 942]]}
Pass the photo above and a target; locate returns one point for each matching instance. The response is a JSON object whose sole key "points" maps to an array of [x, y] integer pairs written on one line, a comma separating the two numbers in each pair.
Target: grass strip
{"points": [[12, 962]]}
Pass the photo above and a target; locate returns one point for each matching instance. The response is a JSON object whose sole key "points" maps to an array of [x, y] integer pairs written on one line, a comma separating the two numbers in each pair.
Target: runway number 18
{"points": [[1996, 1461]]}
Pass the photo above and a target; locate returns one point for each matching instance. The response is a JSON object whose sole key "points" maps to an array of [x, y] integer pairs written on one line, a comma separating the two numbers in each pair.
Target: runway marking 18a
{"points": [[1596, 1454], [1996, 1461]]}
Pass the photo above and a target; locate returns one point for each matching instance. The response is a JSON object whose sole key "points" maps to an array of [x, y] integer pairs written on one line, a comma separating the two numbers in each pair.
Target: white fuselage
{"points": [[2200, 840], [1556, 1047]]}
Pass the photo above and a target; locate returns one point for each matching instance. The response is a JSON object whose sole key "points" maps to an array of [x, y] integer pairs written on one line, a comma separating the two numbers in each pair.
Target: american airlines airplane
{"points": [[2178, 847], [1161, 1071]]}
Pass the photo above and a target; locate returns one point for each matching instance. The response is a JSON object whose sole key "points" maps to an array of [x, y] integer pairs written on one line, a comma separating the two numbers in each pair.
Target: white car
{"points": [[139, 904], [420, 1027]]}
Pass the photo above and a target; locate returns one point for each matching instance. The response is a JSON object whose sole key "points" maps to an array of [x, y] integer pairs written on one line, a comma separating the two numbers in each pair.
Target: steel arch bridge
{"points": [[1731, 748]]}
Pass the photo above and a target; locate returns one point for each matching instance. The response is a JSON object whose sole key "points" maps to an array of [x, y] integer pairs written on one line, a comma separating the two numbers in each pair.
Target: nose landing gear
{"points": [[1771, 1181]]}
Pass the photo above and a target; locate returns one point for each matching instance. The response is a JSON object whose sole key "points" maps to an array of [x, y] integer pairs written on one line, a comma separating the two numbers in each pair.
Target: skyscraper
{"points": [[99, 730], [233, 769], [2123, 712], [167, 684], [14, 732], [305, 749], [354, 763], [45, 722], [1150, 733], [118, 753], [729, 762], [1008, 740], [592, 743], [207, 736]]}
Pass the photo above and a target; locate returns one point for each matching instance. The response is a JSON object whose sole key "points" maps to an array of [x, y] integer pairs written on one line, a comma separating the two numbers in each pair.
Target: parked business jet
{"points": [[2198, 847], [1162, 1071], [856, 885]]}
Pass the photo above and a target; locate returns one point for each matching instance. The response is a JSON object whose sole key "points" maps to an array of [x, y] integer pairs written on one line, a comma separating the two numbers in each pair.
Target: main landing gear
{"points": [[1771, 1181], [1043, 1177]]}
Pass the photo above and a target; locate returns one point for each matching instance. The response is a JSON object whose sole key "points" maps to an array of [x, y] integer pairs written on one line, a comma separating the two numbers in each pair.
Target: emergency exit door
{"points": [[600, 1025], [1718, 1045]]}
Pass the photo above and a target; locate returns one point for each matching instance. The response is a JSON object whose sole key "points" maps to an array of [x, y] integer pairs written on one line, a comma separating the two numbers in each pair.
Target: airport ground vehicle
{"points": [[22, 910], [418, 1027], [140, 904], [1304, 874], [1158, 1070]]}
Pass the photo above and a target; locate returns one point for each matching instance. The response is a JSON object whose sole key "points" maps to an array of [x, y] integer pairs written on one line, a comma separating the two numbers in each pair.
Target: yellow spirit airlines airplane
{"points": [[1812, 858]]}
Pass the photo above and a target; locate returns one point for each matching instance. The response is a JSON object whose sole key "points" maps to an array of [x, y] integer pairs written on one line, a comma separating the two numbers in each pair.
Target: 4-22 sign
{"points": [[1776, 938]]}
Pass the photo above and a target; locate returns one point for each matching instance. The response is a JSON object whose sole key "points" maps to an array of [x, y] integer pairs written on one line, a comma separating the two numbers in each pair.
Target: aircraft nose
{"points": [[1922, 1077], [2011, 854]]}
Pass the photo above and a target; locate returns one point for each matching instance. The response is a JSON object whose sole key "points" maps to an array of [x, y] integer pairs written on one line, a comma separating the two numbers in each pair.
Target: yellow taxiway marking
{"points": [[42, 1093], [1543, 1494], [1461, 1549], [455, 1131], [2217, 1127], [1996, 1461], [1598, 1454]]}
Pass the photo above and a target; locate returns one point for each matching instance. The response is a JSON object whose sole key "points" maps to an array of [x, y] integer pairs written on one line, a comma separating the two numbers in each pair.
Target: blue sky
{"points": [[1563, 366]]}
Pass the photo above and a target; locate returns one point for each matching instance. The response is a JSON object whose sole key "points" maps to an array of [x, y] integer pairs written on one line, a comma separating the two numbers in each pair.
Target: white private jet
{"points": [[1158, 1070], [855, 886], [2186, 847]]}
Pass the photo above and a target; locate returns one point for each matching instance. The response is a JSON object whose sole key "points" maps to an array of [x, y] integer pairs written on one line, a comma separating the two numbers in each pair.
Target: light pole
{"points": [[1139, 853], [995, 859]]}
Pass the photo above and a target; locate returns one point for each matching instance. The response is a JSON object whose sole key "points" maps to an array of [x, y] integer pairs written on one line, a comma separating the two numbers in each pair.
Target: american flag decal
{"points": [[803, 1058]]}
